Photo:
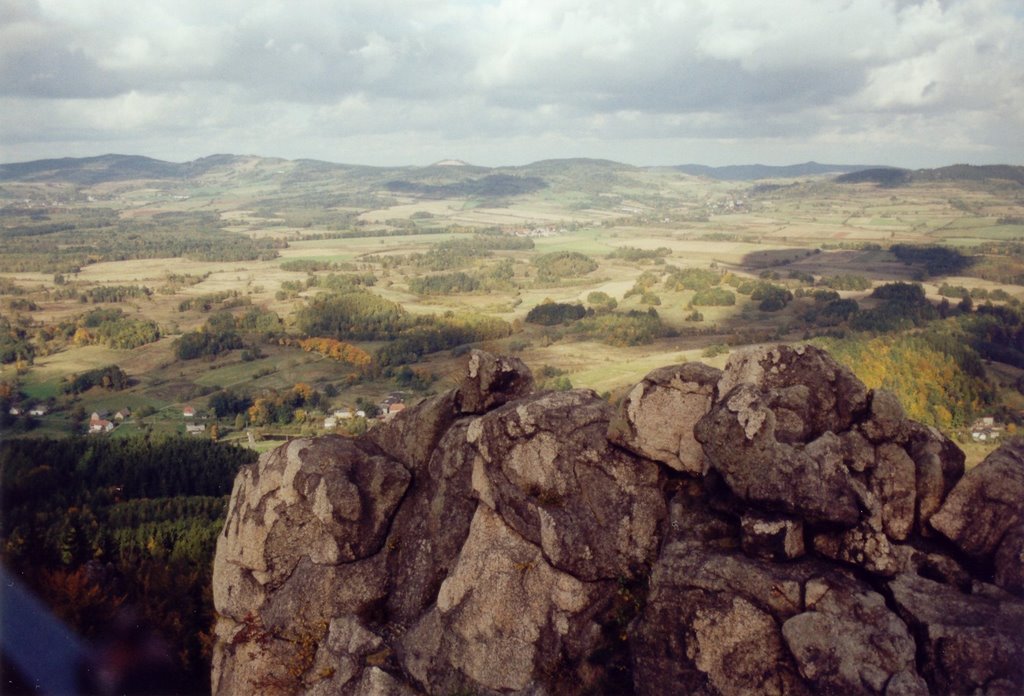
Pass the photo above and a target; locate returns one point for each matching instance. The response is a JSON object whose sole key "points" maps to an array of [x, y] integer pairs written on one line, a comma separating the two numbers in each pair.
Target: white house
{"points": [[330, 423], [343, 414], [38, 411]]}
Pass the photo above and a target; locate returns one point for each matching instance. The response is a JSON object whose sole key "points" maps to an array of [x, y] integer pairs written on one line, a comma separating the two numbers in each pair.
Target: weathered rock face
{"points": [[984, 515], [770, 528], [656, 418]]}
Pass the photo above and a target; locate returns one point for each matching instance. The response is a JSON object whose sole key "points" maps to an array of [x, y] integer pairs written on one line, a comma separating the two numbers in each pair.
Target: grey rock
{"points": [[812, 482], [544, 464], [412, 435], [967, 642], [430, 528], [848, 641], [719, 622], [1009, 562], [867, 546], [330, 500], [495, 541], [986, 504], [939, 465], [494, 611], [657, 416], [491, 381], [816, 390], [773, 536], [893, 481], [886, 422]]}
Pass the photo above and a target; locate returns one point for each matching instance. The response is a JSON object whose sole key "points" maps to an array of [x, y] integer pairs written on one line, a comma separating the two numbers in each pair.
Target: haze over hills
{"points": [[456, 177], [752, 172]]}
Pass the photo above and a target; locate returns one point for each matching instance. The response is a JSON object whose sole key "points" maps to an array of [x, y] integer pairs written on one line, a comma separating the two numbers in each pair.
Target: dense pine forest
{"points": [[100, 527]]}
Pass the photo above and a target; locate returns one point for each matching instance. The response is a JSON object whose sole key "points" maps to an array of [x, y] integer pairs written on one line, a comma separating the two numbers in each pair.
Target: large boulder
{"points": [[430, 528], [299, 548], [545, 465], [810, 393], [501, 615], [741, 441], [848, 641], [984, 514], [491, 381], [967, 643], [329, 500], [656, 418], [720, 622]]}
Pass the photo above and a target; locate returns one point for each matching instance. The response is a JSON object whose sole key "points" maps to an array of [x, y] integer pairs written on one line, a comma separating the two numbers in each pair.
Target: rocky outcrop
{"points": [[774, 527]]}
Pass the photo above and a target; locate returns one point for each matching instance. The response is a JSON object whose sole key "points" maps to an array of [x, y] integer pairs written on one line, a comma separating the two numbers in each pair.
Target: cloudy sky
{"points": [[904, 82]]}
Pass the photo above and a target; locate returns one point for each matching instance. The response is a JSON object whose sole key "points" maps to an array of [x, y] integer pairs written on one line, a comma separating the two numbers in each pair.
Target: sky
{"points": [[913, 83]]}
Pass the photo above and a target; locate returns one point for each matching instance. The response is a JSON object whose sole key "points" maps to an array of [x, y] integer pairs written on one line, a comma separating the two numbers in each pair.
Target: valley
{"points": [[178, 248]]}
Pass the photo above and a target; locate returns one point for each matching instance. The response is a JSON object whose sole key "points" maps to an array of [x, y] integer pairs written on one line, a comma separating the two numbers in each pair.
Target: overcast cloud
{"points": [[497, 82]]}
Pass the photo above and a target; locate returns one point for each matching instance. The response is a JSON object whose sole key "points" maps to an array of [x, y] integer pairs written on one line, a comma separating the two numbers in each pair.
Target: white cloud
{"points": [[732, 79]]}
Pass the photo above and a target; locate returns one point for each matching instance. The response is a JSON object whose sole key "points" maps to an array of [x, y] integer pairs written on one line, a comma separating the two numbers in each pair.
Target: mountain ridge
{"points": [[117, 167]]}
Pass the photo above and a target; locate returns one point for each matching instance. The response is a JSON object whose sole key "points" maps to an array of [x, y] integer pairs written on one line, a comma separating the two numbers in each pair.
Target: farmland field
{"points": [[436, 250]]}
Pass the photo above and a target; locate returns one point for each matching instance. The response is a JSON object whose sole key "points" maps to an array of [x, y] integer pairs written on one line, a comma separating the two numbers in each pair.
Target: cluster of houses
{"points": [[548, 231], [191, 427], [729, 206], [39, 410], [986, 429], [102, 422], [393, 403]]}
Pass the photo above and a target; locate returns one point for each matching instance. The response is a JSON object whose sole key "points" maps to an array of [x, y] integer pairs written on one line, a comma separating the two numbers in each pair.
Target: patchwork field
{"points": [[264, 238]]}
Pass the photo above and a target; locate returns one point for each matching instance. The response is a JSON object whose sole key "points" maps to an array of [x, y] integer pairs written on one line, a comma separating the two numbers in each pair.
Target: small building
{"points": [[360, 414], [188, 412], [330, 423], [14, 411], [343, 414], [100, 425], [39, 410], [196, 429], [986, 430], [123, 415]]}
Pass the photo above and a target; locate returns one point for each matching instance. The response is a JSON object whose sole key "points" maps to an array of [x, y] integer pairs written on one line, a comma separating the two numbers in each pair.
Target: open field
{"points": [[321, 223]]}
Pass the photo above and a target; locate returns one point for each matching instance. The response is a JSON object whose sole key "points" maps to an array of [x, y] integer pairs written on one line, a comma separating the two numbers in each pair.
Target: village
{"points": [[984, 430], [196, 422]]}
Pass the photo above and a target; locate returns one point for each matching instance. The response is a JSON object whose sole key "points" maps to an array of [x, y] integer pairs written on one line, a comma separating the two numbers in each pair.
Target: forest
{"points": [[92, 235], [101, 526]]}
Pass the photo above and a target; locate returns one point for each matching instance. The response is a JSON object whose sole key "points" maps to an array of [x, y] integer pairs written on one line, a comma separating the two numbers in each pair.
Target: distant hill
{"points": [[96, 170], [491, 186], [883, 176], [970, 172], [91, 170], [886, 176], [457, 178], [752, 172]]}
